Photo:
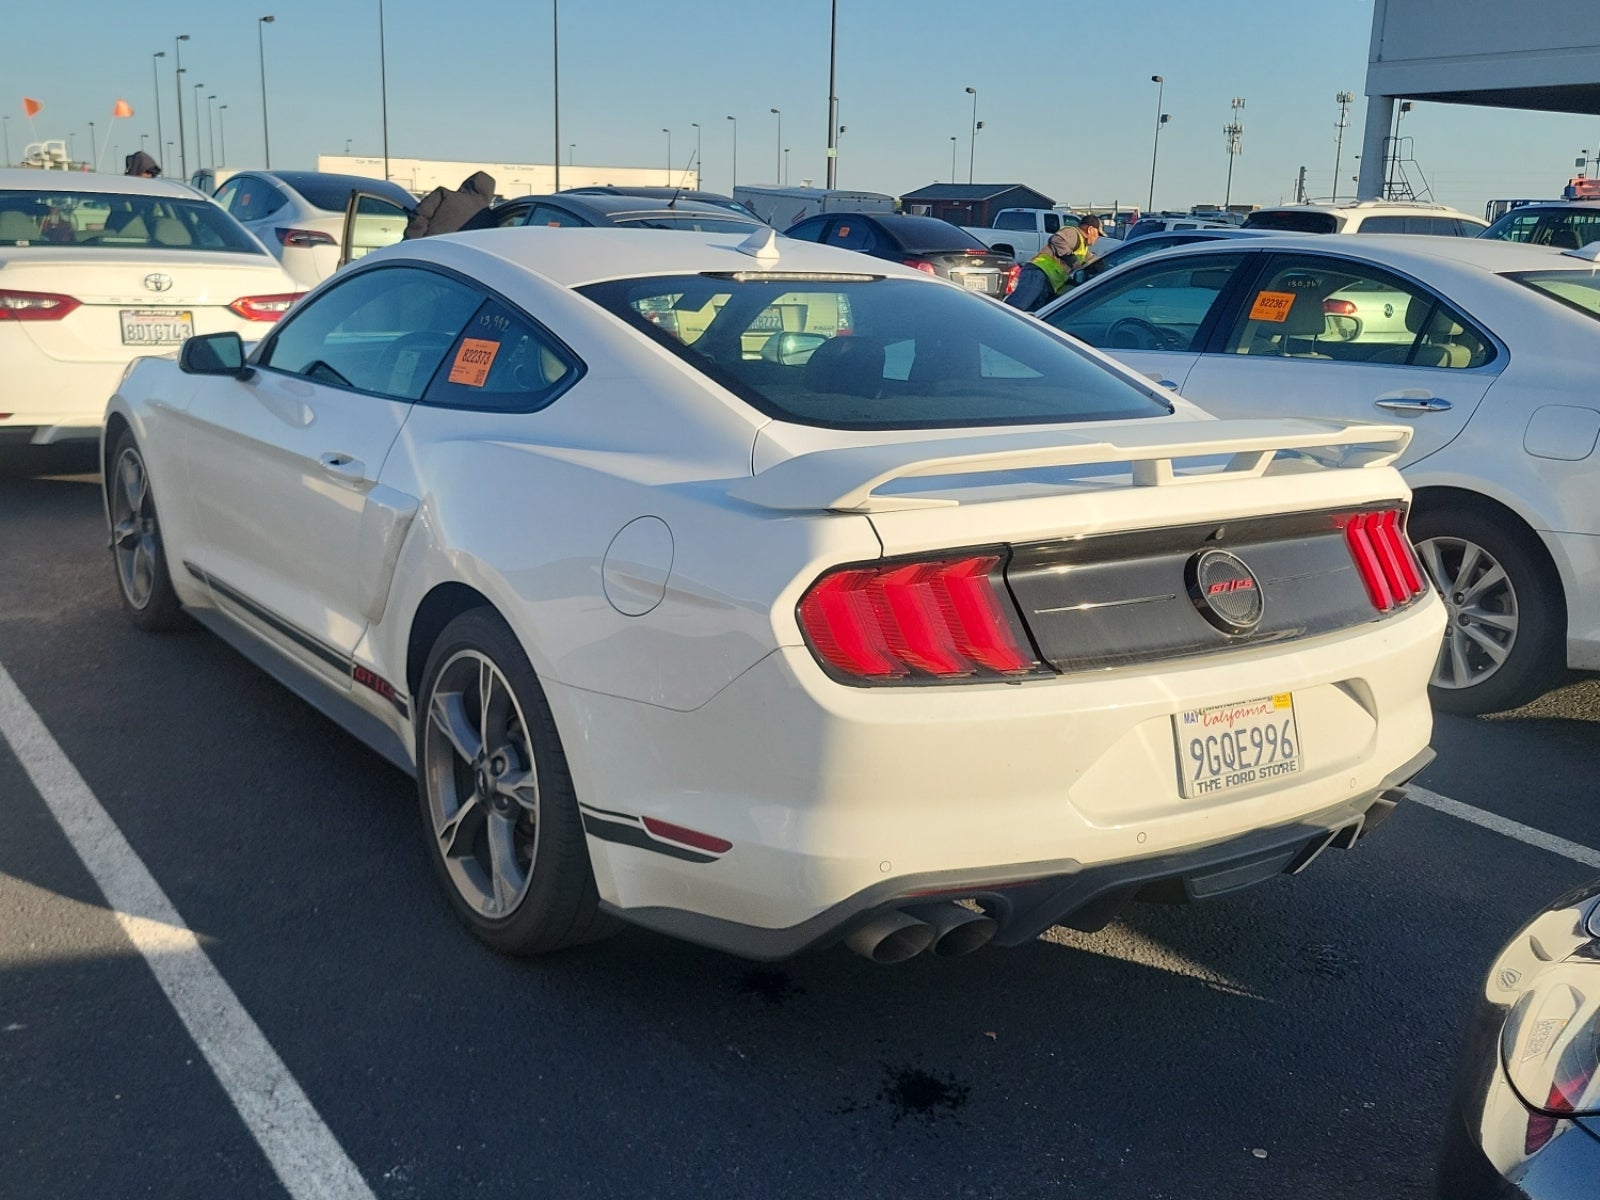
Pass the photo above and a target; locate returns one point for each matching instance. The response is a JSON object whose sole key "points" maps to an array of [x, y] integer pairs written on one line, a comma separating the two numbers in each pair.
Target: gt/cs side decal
{"points": [[343, 663], [650, 833]]}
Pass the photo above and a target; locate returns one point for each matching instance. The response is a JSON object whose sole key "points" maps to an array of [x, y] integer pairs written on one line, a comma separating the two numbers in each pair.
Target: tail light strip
{"points": [[34, 306], [937, 619], [1384, 558], [264, 308]]}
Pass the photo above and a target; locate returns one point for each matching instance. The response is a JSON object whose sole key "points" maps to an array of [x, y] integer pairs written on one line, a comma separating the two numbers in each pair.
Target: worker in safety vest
{"points": [[1047, 274]]}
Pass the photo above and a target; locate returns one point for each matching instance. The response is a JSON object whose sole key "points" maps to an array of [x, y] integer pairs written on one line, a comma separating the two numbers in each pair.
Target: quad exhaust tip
{"points": [[945, 927]]}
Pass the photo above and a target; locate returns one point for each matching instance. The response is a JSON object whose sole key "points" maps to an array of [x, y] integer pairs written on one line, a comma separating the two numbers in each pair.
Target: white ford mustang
{"points": [[768, 597]]}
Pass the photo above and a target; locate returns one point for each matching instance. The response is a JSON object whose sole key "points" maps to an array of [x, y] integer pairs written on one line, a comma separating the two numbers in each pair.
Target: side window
{"points": [[502, 362], [1052, 223], [269, 198], [1158, 306], [513, 214], [807, 231], [1330, 308], [1383, 225], [555, 218], [226, 193], [248, 203], [383, 331], [851, 234], [1521, 228]]}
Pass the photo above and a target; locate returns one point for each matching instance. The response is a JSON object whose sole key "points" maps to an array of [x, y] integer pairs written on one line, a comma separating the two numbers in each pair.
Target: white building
{"points": [[421, 175], [1536, 54]]}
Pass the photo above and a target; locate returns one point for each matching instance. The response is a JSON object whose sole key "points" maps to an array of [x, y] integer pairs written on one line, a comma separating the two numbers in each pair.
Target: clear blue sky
{"points": [[1064, 94]]}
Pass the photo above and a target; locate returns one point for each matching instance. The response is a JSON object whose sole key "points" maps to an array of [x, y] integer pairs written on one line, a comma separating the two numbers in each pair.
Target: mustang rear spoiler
{"points": [[846, 479]]}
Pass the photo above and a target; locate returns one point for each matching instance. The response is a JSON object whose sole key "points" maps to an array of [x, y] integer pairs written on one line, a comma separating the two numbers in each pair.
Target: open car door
{"points": [[370, 222]]}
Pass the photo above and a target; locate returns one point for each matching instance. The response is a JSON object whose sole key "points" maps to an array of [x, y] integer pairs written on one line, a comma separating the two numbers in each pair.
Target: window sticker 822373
{"points": [[1234, 745]]}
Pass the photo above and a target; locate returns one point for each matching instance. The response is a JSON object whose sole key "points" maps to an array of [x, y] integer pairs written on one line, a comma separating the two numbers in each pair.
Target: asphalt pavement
{"points": [[1295, 1040]]}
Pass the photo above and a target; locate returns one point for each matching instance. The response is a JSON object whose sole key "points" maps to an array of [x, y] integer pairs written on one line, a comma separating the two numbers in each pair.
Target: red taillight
{"points": [[1012, 275], [933, 619], [304, 237], [1384, 558], [926, 268], [34, 306], [1338, 308], [264, 308]]}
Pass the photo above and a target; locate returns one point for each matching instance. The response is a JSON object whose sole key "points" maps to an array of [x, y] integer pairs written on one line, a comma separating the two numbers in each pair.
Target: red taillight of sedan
{"points": [[925, 268], [1384, 558], [264, 308], [936, 619], [1012, 275], [34, 306], [304, 237]]}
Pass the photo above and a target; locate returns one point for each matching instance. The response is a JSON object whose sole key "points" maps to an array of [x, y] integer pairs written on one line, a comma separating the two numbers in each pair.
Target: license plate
{"points": [[156, 326], [1235, 745], [975, 283]]}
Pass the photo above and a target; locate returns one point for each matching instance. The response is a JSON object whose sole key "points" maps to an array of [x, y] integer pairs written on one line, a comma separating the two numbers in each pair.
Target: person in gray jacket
{"points": [[445, 211]]}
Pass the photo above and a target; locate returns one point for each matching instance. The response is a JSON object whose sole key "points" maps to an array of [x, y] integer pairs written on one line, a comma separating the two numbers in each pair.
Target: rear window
{"points": [[860, 353], [332, 192], [1293, 222], [67, 218], [698, 222], [1575, 289], [930, 235]]}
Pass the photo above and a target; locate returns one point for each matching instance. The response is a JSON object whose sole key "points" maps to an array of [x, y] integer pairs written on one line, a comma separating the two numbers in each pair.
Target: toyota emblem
{"points": [[158, 282], [1225, 591]]}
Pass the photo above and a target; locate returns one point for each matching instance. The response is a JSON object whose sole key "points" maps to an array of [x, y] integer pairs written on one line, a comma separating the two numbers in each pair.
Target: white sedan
{"points": [[769, 597], [1486, 349], [96, 270]]}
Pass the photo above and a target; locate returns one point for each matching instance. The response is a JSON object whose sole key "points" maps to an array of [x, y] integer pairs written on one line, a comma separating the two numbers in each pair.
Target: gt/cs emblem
{"points": [[1224, 591], [158, 282]]}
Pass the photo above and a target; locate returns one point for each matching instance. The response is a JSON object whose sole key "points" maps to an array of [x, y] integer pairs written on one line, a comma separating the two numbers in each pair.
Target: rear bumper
{"points": [[1027, 899]]}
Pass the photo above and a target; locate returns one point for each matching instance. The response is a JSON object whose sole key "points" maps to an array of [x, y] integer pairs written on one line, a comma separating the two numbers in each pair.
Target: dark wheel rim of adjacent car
{"points": [[482, 785], [135, 536], [1484, 614]]}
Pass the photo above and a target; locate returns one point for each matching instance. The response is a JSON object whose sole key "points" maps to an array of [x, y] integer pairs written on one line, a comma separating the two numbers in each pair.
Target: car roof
{"points": [[23, 179], [607, 205], [1369, 206], [1403, 251], [574, 257]]}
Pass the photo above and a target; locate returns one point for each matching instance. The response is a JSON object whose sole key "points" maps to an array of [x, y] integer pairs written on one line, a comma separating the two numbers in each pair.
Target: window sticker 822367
{"points": [[1234, 745]]}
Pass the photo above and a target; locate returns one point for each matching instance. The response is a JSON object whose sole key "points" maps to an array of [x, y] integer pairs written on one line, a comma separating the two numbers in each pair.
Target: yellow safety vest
{"points": [[1053, 270]]}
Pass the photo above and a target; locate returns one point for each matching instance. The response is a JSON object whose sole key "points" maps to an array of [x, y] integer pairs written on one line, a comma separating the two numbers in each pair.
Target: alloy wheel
{"points": [[134, 533], [1483, 612]]}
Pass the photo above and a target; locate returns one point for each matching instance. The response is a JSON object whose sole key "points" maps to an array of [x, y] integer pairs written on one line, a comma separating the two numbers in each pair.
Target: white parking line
{"points": [[1506, 827], [302, 1150]]}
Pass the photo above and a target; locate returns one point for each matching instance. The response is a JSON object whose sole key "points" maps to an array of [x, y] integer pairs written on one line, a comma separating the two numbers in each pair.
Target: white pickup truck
{"points": [[1021, 232]]}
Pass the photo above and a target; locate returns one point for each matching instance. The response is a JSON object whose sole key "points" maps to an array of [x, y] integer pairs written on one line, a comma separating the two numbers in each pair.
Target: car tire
{"points": [[1504, 644], [143, 580], [498, 808]]}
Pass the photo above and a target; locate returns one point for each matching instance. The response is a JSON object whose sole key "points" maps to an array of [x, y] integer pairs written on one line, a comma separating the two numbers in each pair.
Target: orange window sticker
{"points": [[1272, 306], [473, 361], [844, 231]]}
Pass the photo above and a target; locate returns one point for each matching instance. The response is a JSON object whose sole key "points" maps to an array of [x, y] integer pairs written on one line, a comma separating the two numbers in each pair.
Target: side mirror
{"points": [[214, 354]]}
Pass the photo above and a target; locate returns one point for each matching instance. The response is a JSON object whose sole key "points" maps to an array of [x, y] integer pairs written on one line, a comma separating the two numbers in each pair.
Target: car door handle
{"points": [[344, 467], [1412, 400]]}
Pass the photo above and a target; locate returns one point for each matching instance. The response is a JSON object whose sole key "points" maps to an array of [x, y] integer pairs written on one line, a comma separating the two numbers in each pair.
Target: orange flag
{"points": [[122, 109], [31, 107]]}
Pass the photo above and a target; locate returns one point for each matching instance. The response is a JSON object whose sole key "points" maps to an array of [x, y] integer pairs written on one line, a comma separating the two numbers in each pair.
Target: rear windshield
{"points": [[62, 217], [1293, 222], [332, 192], [860, 353], [699, 222], [929, 235], [1575, 289]]}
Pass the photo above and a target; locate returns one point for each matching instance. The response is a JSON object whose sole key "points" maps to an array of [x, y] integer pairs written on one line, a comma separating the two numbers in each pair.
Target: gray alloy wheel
{"points": [[1503, 642], [504, 832], [142, 578], [482, 789]]}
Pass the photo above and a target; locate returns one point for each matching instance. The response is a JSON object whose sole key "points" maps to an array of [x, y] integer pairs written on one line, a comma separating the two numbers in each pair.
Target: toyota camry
{"points": [[771, 597]]}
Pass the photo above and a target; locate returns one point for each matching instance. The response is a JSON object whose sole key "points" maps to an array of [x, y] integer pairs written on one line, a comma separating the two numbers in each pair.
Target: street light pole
{"points": [[952, 158], [199, 157], [839, 146], [786, 166], [972, 150], [668, 132], [383, 88], [1161, 87], [555, 80], [734, 178], [571, 146], [261, 52], [222, 133], [833, 101], [6, 122], [697, 171], [155, 76], [211, 128], [778, 163], [177, 86], [92, 154]]}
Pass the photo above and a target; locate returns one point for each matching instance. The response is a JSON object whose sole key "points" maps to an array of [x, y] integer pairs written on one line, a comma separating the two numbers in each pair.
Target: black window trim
{"points": [[485, 294], [1267, 258]]}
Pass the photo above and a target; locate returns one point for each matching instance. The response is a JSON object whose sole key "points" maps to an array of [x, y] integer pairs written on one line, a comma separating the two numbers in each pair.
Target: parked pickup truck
{"points": [[1021, 232]]}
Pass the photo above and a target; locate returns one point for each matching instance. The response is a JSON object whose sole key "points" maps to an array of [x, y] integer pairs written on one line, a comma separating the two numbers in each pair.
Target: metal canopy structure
{"points": [[1542, 55]]}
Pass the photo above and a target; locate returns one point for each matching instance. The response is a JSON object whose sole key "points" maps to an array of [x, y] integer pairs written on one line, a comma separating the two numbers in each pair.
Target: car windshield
{"points": [[1292, 222], [1575, 289], [857, 352], [699, 222], [59, 217]]}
